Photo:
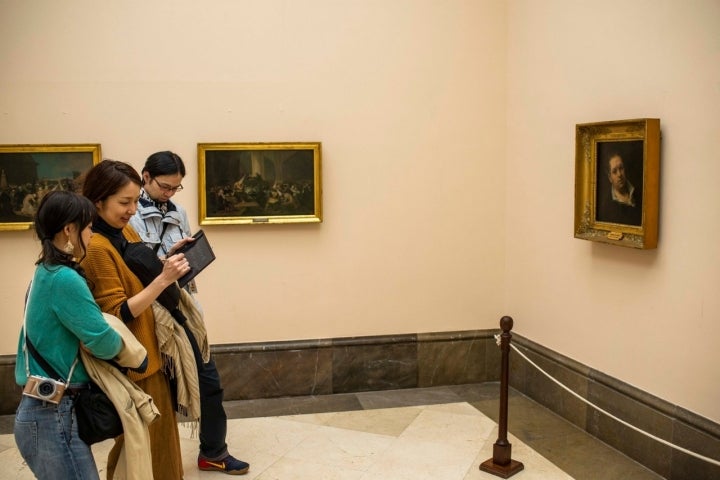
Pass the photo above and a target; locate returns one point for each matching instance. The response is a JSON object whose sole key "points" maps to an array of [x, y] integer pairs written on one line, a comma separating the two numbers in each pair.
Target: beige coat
{"points": [[178, 357], [135, 407]]}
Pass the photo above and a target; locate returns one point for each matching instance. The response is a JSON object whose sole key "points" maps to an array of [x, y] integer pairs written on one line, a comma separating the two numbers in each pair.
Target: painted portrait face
{"points": [[616, 173], [117, 209]]}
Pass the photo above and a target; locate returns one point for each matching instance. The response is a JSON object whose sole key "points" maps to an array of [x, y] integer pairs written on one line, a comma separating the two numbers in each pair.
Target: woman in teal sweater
{"points": [[61, 314]]}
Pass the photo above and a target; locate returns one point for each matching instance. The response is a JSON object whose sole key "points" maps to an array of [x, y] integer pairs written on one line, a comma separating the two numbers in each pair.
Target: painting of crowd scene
{"points": [[28, 173], [255, 181]]}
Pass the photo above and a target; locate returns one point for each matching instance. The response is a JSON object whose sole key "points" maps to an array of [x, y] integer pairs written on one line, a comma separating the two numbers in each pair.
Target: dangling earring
{"points": [[69, 247]]}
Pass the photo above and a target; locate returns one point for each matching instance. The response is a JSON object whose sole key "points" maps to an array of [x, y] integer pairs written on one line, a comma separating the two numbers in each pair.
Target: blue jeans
{"points": [[47, 438]]}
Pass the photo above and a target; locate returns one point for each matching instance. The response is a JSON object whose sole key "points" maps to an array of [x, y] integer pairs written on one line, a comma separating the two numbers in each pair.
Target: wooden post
{"points": [[501, 464]]}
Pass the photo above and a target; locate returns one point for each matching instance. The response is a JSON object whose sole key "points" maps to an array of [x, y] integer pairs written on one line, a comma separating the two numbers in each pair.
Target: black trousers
{"points": [[213, 419]]}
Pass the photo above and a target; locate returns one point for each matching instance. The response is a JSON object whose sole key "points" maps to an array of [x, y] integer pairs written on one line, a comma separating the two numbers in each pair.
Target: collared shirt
{"points": [[631, 196]]}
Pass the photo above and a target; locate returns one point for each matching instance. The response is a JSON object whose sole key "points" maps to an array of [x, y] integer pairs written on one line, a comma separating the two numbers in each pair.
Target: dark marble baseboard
{"points": [[9, 391], [357, 364], [332, 366], [395, 362], [651, 414]]}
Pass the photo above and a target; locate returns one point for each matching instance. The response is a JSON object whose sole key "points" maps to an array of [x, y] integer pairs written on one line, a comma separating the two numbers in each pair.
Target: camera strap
{"points": [[36, 355]]}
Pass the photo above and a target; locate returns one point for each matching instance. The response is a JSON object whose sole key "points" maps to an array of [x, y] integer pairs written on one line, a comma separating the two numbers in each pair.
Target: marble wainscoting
{"points": [[358, 364], [9, 391], [339, 365], [651, 414]]}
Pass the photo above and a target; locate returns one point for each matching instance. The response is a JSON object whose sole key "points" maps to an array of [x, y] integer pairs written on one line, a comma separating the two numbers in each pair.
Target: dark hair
{"points": [[107, 178], [56, 210], [164, 163]]}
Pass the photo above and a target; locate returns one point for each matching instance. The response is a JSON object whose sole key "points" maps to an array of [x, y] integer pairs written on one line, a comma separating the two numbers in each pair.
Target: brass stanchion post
{"points": [[501, 464]]}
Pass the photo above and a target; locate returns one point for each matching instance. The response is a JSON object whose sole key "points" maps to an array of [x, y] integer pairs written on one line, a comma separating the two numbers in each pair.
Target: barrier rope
{"points": [[664, 442]]}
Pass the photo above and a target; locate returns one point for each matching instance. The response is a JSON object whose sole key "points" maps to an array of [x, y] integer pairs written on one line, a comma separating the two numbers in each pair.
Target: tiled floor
{"points": [[433, 433]]}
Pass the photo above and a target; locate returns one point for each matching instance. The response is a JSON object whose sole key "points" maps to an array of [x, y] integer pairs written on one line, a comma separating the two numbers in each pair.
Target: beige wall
{"points": [[434, 116], [649, 318], [407, 98]]}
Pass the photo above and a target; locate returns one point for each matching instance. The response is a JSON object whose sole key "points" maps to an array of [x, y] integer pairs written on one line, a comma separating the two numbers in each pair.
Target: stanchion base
{"points": [[504, 471]]}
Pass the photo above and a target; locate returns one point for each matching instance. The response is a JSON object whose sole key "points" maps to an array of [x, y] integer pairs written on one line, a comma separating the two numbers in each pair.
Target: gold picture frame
{"points": [[617, 174], [259, 183], [28, 172]]}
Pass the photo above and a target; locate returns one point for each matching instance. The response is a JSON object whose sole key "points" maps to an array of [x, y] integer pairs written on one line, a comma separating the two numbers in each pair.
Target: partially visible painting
{"points": [[28, 172], [259, 183]]}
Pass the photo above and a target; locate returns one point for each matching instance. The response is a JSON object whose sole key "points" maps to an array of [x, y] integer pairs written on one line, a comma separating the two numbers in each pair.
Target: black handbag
{"points": [[97, 418]]}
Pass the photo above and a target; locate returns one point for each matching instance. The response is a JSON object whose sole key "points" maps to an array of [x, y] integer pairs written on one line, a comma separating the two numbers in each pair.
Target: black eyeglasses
{"points": [[167, 188]]}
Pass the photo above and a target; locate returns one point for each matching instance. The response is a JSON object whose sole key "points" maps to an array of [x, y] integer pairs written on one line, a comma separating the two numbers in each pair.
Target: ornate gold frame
{"points": [[259, 183], [28, 171], [639, 140]]}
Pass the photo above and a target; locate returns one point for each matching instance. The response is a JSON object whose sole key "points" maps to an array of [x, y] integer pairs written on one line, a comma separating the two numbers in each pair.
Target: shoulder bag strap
{"points": [[157, 246], [38, 358]]}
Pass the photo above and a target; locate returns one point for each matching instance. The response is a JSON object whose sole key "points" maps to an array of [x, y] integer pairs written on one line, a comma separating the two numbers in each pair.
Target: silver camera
{"points": [[45, 389]]}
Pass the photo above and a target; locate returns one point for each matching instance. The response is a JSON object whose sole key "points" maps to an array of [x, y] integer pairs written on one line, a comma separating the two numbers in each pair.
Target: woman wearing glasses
{"points": [[162, 223]]}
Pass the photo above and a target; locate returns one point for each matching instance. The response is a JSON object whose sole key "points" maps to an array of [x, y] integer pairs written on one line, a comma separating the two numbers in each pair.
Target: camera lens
{"points": [[46, 389]]}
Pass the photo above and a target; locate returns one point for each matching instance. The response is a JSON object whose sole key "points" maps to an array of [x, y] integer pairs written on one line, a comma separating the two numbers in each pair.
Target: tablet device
{"points": [[199, 255]]}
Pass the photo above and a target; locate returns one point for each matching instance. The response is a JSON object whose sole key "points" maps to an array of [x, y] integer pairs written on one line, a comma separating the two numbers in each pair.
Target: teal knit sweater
{"points": [[61, 313]]}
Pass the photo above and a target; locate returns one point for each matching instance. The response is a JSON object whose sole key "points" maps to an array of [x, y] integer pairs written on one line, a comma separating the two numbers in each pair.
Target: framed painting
{"points": [[28, 172], [259, 183], [617, 173]]}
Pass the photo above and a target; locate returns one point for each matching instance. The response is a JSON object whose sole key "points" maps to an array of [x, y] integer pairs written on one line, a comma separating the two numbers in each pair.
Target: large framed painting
{"points": [[28, 172], [259, 183], [617, 174]]}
